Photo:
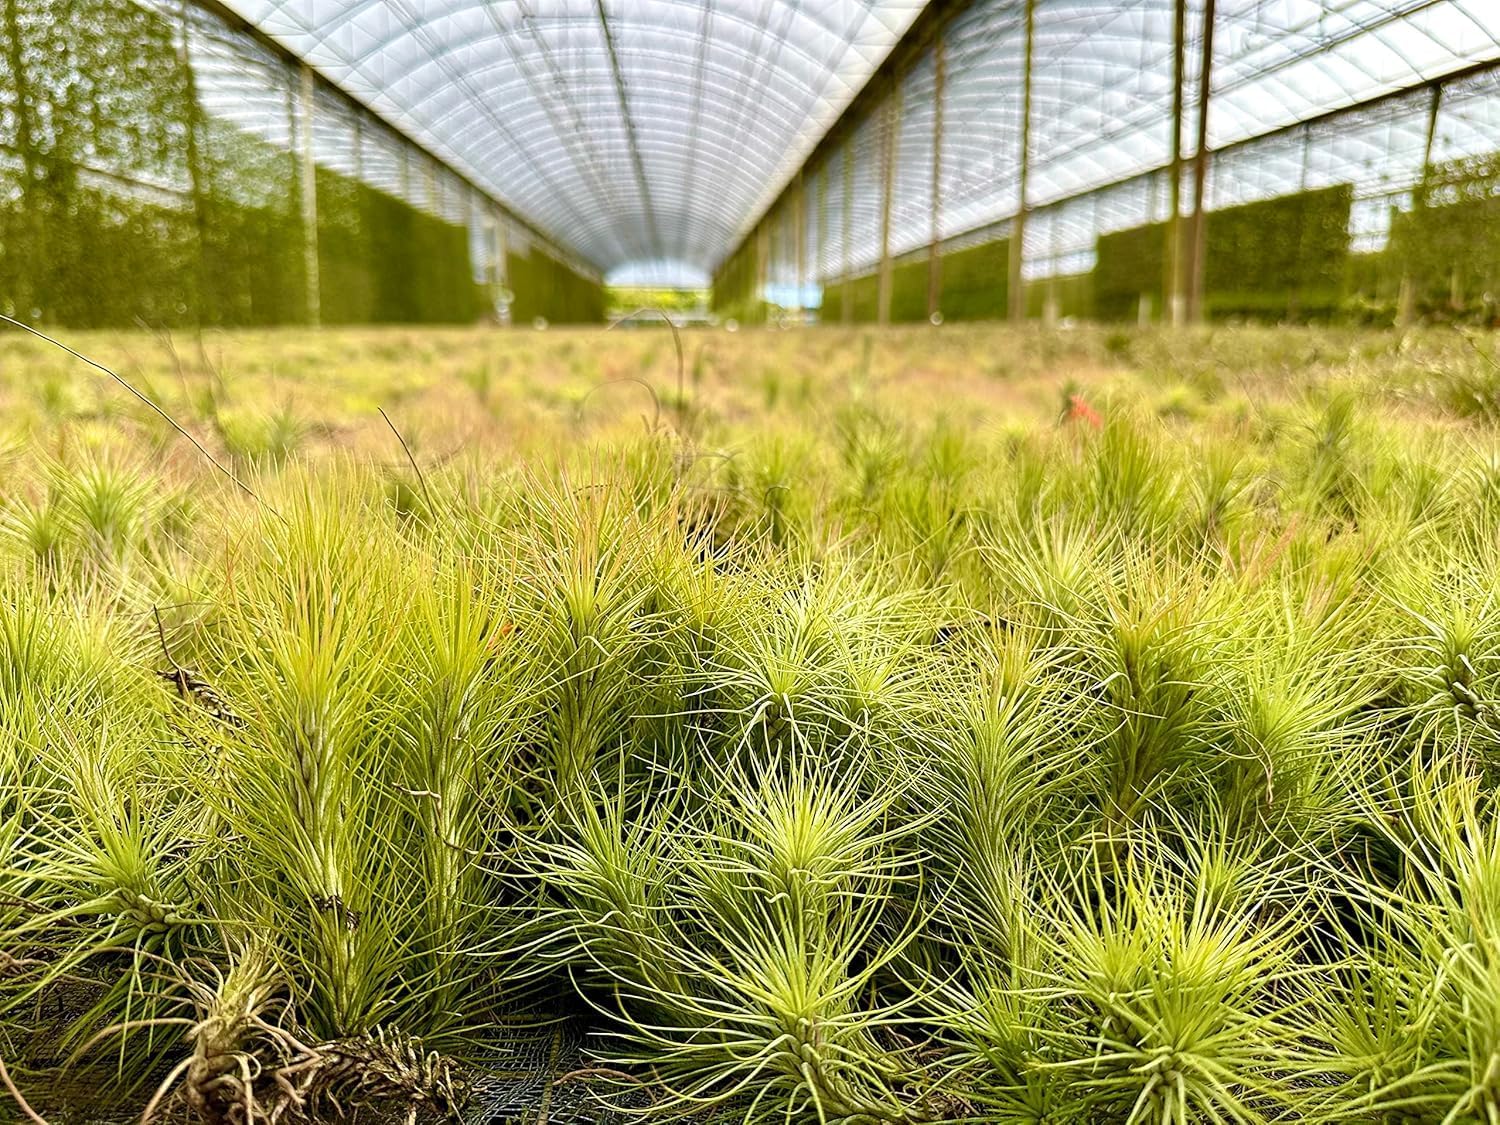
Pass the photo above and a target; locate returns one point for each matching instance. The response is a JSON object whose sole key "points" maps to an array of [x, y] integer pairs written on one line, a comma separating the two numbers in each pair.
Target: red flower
{"points": [[1079, 410]]}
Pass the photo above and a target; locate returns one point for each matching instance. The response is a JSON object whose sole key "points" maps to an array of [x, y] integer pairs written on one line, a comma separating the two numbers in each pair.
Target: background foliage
{"points": [[122, 200], [929, 725]]}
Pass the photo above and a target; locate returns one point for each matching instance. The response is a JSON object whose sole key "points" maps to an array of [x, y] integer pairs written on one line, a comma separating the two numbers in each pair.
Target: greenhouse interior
{"points": [[817, 562], [321, 162]]}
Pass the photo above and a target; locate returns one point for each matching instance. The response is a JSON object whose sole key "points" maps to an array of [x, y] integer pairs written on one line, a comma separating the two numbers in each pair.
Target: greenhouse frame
{"points": [[322, 161]]}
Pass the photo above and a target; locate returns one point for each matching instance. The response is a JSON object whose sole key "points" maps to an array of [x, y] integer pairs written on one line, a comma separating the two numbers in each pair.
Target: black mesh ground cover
{"points": [[541, 1072]]}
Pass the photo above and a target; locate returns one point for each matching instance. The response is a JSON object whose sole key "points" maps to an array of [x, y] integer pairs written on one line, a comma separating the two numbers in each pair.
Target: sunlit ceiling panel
{"points": [[631, 131]]}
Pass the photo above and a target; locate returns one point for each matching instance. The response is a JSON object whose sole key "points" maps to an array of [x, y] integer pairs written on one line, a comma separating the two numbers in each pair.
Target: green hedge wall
{"points": [[973, 287], [1448, 244], [1287, 256], [545, 287], [908, 291], [975, 282], [252, 263], [864, 300], [381, 260], [1268, 259], [1128, 264], [69, 252], [96, 103], [1282, 256], [1075, 296], [735, 291]]}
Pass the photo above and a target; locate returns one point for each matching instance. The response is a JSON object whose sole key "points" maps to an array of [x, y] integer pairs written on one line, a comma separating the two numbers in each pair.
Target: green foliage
{"points": [[383, 261], [1074, 296], [975, 283], [545, 287], [736, 292], [625, 299], [1447, 244], [862, 753], [70, 249], [1274, 258], [1130, 265], [127, 202], [973, 287], [1283, 256], [251, 254]]}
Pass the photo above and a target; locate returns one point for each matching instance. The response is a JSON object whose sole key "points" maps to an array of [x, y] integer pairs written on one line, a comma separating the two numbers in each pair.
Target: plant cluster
{"points": [[1123, 755]]}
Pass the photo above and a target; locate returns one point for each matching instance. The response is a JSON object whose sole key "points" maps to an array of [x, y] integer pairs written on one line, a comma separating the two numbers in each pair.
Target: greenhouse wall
{"points": [[1274, 258], [223, 185], [971, 286], [737, 286], [1127, 156], [547, 289], [1449, 242]]}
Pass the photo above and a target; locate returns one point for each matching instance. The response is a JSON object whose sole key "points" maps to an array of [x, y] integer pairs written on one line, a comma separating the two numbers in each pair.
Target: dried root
{"points": [[246, 1068], [233, 1033], [382, 1069]]}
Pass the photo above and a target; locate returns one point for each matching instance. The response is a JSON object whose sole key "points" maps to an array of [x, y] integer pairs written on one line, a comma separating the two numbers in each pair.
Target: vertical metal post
{"points": [[1434, 107], [1175, 260], [819, 258], [1406, 301], [501, 251], [194, 164], [33, 226], [799, 242], [505, 296], [1294, 298], [934, 250], [892, 124], [309, 196], [846, 313], [1052, 299], [762, 264], [1015, 292], [1199, 267]]}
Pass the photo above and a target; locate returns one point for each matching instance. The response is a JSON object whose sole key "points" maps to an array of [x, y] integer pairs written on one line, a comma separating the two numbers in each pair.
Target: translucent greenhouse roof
{"points": [[635, 132], [648, 136], [1102, 115]]}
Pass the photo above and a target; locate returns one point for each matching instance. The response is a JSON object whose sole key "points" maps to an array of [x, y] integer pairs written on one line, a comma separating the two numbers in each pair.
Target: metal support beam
{"points": [[1434, 107], [846, 313], [1015, 291], [934, 236], [1176, 288], [819, 258], [892, 125], [1406, 300], [762, 262], [799, 241], [637, 165], [194, 155], [1199, 239], [501, 249], [308, 192]]}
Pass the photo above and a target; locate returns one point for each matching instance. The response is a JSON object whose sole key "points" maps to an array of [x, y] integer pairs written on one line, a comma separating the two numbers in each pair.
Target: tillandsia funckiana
{"points": [[887, 746]]}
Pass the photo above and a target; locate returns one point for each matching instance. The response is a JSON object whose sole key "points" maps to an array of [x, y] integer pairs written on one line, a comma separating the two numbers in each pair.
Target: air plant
{"points": [[897, 758]]}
